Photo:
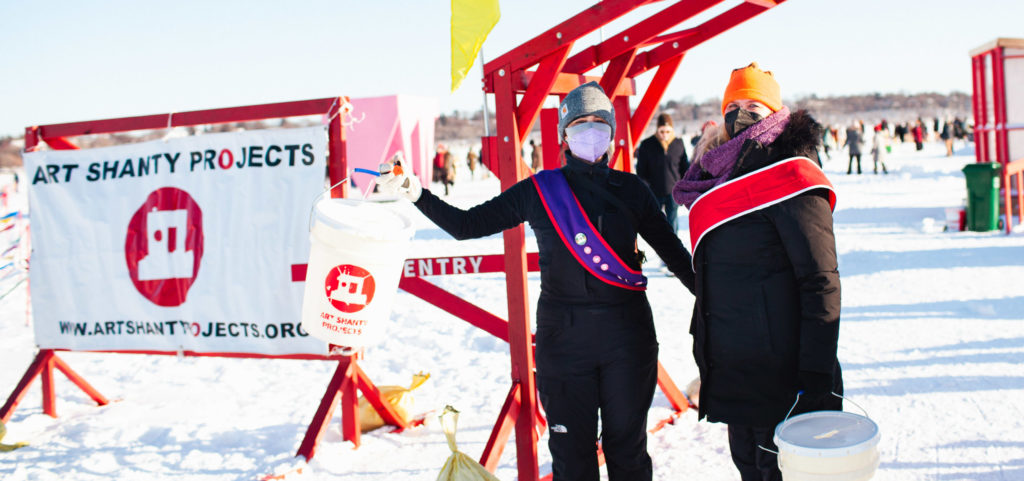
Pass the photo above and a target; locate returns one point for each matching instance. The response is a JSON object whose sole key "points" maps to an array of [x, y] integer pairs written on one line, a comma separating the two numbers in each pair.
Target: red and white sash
{"points": [[755, 191]]}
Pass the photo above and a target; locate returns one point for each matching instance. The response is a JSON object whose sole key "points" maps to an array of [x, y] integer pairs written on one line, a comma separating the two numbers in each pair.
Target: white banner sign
{"points": [[184, 244]]}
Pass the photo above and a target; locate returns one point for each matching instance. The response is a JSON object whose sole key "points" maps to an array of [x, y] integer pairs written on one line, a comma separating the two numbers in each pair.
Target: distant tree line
{"points": [[688, 115]]}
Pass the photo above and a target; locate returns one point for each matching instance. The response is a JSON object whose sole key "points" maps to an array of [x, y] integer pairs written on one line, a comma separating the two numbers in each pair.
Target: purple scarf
{"points": [[720, 161]]}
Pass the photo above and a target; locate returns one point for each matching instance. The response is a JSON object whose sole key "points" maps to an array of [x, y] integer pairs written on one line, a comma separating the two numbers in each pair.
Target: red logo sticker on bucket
{"points": [[349, 288], [164, 246]]}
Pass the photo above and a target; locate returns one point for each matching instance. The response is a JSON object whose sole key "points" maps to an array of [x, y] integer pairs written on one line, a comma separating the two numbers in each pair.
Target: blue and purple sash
{"points": [[580, 236]]}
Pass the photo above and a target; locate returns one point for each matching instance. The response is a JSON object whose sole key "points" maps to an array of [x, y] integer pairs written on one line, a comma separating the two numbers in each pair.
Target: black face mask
{"points": [[738, 120]]}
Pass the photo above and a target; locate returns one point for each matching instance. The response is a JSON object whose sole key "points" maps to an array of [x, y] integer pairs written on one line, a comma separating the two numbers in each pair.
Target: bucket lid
{"points": [[826, 434], [369, 219]]}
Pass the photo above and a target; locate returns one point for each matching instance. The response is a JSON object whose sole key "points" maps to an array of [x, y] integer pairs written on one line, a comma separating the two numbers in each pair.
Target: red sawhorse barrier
{"points": [[348, 377]]}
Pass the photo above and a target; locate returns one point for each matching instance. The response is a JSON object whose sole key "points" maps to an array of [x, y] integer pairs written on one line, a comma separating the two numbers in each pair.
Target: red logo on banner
{"points": [[164, 246], [349, 288]]}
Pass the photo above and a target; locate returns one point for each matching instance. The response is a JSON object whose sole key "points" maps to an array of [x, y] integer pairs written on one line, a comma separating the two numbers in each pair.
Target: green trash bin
{"points": [[982, 196]]}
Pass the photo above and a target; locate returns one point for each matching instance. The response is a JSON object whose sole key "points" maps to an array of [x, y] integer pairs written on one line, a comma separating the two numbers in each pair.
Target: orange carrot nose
{"points": [[397, 169]]}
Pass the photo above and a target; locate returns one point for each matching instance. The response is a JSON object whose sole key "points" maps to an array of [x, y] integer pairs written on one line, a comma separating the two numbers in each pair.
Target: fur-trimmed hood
{"points": [[801, 137], [802, 134]]}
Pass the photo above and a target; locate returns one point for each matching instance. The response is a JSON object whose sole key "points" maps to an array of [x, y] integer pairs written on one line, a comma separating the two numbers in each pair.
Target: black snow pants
{"points": [[590, 359], [754, 463]]}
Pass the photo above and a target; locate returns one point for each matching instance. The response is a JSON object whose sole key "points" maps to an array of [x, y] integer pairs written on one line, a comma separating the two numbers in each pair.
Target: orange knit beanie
{"points": [[751, 82]]}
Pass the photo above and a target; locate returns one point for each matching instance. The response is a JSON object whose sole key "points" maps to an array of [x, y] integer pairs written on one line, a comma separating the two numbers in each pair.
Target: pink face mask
{"points": [[589, 141]]}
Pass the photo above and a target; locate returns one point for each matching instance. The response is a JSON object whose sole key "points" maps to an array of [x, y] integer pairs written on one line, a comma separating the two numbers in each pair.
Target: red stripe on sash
{"points": [[569, 245], [755, 191]]}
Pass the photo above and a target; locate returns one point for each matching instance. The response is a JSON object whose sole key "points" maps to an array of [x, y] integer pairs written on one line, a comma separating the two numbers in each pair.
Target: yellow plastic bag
{"points": [[399, 397], [459, 467], [8, 447]]}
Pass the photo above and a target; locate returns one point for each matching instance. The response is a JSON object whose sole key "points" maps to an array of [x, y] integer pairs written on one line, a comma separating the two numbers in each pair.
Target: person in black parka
{"points": [[596, 348], [661, 161], [766, 320]]}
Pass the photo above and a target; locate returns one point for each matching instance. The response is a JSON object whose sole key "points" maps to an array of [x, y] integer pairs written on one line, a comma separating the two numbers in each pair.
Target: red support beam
{"points": [[564, 83], [456, 306], [42, 366], [540, 87], [695, 36], [999, 107], [616, 73], [49, 395], [60, 143], [1017, 167], [507, 418], [549, 139], [583, 23], [675, 397], [79, 381], [985, 121], [350, 408], [652, 98], [195, 117], [31, 138], [637, 35], [38, 365], [623, 151], [376, 399], [512, 171], [978, 104], [337, 168], [670, 37], [342, 377]]}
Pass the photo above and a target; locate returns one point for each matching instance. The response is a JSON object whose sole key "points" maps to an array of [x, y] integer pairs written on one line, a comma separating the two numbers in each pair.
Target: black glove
{"points": [[817, 388]]}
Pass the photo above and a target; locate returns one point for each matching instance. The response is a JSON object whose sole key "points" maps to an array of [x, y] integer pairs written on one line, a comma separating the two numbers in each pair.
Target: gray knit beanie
{"points": [[587, 99]]}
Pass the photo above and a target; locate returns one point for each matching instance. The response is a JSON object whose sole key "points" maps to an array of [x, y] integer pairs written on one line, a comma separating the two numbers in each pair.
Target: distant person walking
{"points": [[660, 162], [947, 135], [471, 162], [853, 142], [901, 131], [439, 163], [448, 178], [826, 136], [917, 132], [878, 148]]}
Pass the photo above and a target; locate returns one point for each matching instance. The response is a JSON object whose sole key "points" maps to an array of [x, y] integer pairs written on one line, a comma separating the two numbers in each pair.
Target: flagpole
{"points": [[487, 123]]}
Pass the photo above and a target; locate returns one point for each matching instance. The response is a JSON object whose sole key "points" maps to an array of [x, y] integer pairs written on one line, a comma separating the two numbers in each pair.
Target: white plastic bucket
{"points": [[827, 446], [356, 253]]}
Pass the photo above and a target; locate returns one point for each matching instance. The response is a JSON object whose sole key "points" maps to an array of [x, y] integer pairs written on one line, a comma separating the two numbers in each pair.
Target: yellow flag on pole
{"points": [[472, 20]]}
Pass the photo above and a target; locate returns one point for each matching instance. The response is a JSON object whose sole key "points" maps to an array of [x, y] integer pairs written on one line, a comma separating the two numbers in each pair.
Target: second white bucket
{"points": [[356, 253], [827, 446]]}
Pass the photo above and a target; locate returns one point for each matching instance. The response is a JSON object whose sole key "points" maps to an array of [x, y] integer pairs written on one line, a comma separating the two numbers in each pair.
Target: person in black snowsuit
{"points": [[596, 348], [661, 161], [766, 320]]}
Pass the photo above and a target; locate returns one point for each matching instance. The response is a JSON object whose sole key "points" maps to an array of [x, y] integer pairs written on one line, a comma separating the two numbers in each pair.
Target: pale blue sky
{"points": [[72, 60]]}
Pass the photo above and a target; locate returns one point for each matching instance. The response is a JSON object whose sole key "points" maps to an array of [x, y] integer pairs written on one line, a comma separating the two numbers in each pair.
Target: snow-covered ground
{"points": [[932, 346]]}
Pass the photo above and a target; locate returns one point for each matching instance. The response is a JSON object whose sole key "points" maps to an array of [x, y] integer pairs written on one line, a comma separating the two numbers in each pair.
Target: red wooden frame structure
{"points": [[521, 80], [992, 125], [348, 377], [414, 283]]}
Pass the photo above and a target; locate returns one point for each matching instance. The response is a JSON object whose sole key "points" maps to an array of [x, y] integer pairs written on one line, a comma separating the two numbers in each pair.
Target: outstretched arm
{"points": [[505, 211]]}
